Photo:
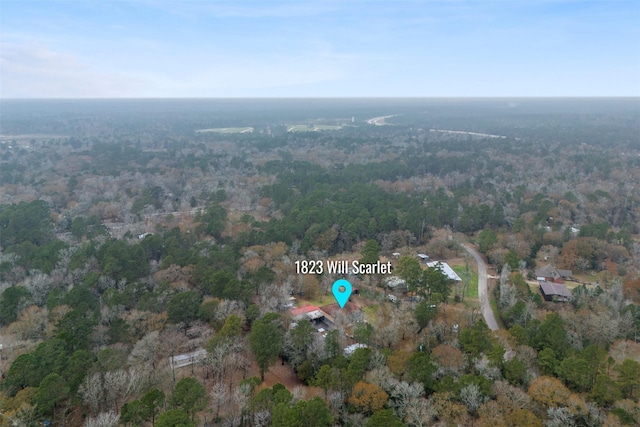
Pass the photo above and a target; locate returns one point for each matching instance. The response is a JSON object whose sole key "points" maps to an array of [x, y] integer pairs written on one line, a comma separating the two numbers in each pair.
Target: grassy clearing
{"points": [[322, 300], [371, 313], [371, 294], [588, 278], [226, 130], [471, 278]]}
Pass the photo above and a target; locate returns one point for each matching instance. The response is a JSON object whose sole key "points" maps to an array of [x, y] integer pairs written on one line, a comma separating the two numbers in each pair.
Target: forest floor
{"points": [[282, 374], [285, 375]]}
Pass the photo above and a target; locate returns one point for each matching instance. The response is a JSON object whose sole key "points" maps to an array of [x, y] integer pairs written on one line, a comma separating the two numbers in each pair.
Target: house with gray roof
{"points": [[554, 292], [549, 273]]}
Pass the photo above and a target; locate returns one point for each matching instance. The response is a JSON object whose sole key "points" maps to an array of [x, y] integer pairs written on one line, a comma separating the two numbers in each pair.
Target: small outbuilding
{"points": [[309, 312], [424, 257], [186, 359], [395, 282]]}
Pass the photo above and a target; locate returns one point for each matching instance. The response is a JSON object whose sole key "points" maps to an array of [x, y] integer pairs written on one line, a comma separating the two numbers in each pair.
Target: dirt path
{"points": [[483, 289]]}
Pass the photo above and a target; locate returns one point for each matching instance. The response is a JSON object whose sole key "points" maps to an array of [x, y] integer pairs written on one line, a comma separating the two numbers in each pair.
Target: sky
{"points": [[356, 48]]}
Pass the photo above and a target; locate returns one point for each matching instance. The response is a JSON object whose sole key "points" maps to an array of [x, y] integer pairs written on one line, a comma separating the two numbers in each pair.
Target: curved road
{"points": [[379, 121], [483, 290]]}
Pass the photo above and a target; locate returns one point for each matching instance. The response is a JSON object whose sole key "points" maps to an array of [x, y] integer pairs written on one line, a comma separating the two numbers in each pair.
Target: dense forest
{"points": [[148, 250]]}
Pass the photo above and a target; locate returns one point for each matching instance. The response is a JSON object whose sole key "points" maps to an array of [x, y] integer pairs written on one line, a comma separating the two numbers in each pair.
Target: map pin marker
{"points": [[341, 291]]}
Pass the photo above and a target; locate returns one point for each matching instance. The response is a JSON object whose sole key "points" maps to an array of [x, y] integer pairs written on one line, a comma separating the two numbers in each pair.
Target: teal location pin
{"points": [[342, 291]]}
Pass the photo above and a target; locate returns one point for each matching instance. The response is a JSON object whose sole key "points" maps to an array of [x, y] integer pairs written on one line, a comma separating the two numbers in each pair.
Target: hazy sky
{"points": [[148, 48]]}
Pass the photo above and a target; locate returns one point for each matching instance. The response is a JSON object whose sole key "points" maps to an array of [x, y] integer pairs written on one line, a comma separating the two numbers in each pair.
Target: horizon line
{"points": [[321, 98]]}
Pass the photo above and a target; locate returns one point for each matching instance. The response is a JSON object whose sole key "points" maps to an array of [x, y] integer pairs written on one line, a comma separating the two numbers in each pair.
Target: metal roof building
{"points": [[446, 269], [554, 291]]}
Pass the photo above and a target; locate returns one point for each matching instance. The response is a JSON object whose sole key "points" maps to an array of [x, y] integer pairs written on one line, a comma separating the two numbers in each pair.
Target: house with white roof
{"points": [[446, 269]]}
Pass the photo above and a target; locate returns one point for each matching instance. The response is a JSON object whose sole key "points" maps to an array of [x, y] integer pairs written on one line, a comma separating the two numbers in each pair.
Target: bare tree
{"points": [[406, 322], [238, 403], [121, 384], [242, 360], [61, 274], [261, 418], [560, 417], [134, 382], [105, 283], [109, 314], [274, 297], [505, 392], [144, 351], [318, 347], [103, 419], [388, 336], [355, 420], [38, 285], [298, 393], [336, 400], [378, 360], [218, 358], [92, 392], [402, 394], [419, 413], [508, 292], [472, 398], [33, 324], [114, 385], [172, 342], [227, 308], [382, 377], [487, 369], [220, 396]]}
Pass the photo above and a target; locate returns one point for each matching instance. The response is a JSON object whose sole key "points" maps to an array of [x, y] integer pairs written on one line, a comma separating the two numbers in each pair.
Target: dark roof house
{"points": [[554, 292], [551, 274], [353, 310]]}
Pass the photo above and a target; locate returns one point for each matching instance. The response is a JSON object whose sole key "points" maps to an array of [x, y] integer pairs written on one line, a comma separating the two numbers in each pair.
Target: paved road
{"points": [[379, 121], [483, 290]]}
